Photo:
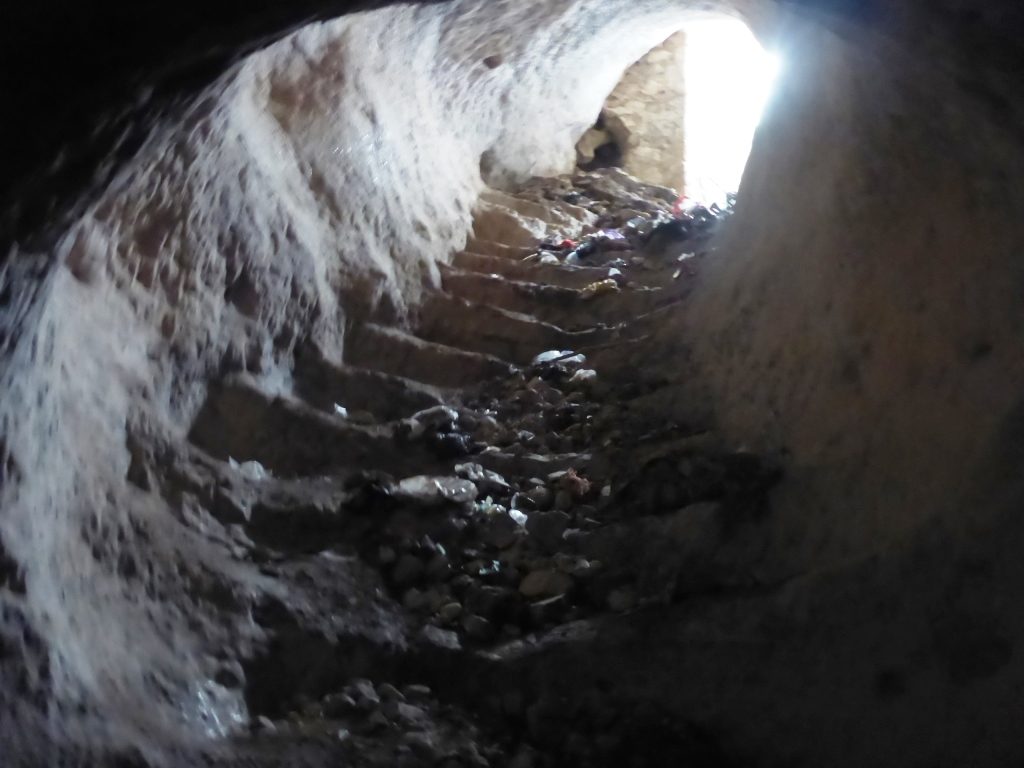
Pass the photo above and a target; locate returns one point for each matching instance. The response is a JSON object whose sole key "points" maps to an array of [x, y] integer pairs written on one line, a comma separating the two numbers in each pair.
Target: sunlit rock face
{"points": [[645, 115], [862, 321]]}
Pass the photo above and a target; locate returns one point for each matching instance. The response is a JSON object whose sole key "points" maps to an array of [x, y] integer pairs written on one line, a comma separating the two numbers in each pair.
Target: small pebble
{"points": [[410, 713], [477, 627], [547, 527], [450, 612], [545, 583], [434, 598], [441, 638], [363, 692], [388, 691], [499, 530], [413, 600], [421, 743], [541, 497]]}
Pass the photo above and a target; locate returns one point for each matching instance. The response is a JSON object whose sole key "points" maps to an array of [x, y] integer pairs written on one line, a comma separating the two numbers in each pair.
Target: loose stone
{"points": [[545, 583]]}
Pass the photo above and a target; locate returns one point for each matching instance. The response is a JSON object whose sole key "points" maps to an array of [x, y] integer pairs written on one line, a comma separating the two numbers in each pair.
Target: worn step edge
{"points": [[413, 357]]}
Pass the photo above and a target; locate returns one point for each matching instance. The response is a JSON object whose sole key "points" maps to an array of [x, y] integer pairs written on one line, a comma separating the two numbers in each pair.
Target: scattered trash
{"points": [[571, 481], [439, 419], [251, 470], [613, 240], [556, 356], [673, 229], [679, 205], [440, 416], [586, 248], [340, 411]]}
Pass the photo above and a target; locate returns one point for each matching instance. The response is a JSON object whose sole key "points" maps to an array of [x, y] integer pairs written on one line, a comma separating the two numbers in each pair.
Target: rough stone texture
{"points": [[863, 320], [645, 114]]}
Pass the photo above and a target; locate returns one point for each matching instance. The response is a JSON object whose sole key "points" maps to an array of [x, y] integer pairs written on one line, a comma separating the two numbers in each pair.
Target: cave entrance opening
{"points": [[728, 79], [684, 115]]}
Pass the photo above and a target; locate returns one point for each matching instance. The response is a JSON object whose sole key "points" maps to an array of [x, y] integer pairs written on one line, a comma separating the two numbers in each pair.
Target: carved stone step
{"points": [[490, 330], [565, 307], [514, 295], [290, 438], [561, 217], [324, 384], [492, 248], [531, 271], [398, 353]]}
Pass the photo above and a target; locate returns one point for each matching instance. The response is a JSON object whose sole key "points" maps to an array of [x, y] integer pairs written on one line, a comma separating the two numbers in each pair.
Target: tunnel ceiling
{"points": [[84, 79]]}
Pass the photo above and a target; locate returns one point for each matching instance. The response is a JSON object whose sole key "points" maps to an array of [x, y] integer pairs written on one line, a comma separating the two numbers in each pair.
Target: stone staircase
{"points": [[458, 490]]}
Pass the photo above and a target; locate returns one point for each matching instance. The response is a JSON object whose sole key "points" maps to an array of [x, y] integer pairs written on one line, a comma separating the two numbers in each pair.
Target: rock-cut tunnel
{"points": [[309, 456]]}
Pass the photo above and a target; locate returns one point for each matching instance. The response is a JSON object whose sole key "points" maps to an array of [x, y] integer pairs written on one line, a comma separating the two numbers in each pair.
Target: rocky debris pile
{"points": [[488, 557], [379, 724]]}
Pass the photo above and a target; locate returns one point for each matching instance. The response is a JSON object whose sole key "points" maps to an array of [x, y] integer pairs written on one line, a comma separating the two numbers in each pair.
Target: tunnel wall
{"points": [[870, 280], [860, 321]]}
